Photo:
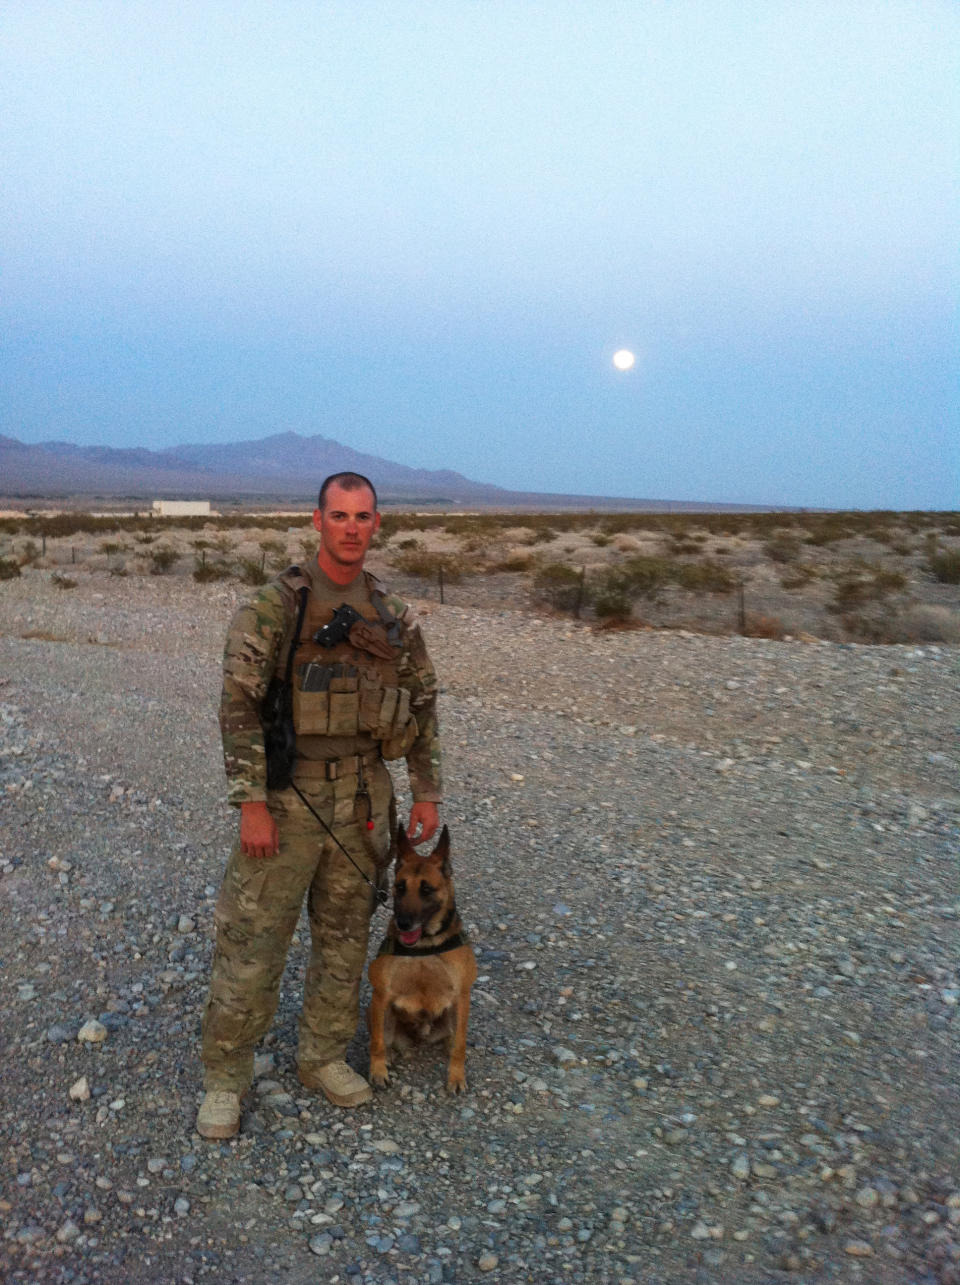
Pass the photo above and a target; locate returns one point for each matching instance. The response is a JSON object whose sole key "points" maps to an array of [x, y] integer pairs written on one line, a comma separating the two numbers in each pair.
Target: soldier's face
{"points": [[347, 523]]}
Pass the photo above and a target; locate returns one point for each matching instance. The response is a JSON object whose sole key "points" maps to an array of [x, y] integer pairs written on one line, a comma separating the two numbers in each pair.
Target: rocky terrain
{"points": [[712, 884]]}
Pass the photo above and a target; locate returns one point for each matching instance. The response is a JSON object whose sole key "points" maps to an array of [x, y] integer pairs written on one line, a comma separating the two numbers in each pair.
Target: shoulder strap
{"points": [[388, 619], [294, 579]]}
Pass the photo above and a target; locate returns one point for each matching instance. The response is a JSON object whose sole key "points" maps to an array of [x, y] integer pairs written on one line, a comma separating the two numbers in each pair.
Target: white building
{"points": [[181, 508]]}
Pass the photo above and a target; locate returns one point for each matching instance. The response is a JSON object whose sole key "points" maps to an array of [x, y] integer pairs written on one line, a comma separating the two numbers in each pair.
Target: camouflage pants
{"points": [[257, 912]]}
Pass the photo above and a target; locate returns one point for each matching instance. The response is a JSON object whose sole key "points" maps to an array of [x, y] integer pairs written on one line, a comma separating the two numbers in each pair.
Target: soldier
{"points": [[363, 693]]}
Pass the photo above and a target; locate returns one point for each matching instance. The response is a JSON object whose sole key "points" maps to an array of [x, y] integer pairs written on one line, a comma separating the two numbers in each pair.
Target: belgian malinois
{"points": [[423, 972]]}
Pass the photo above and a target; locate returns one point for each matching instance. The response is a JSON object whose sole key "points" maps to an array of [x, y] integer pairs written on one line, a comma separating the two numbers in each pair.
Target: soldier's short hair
{"points": [[349, 482]]}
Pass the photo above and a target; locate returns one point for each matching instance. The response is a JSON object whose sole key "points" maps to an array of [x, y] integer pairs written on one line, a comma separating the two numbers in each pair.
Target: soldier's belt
{"points": [[334, 769]]}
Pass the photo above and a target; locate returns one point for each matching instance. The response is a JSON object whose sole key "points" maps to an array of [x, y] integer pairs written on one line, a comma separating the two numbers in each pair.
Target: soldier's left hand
{"points": [[424, 820]]}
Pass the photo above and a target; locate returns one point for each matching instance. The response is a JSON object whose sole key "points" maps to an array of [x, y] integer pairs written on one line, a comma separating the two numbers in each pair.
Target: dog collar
{"points": [[397, 948]]}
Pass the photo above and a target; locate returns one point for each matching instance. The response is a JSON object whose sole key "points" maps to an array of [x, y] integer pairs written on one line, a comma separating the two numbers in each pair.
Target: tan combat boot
{"points": [[339, 1082], [219, 1114]]}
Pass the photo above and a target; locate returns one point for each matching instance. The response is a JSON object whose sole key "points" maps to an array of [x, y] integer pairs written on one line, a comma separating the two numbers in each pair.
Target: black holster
{"points": [[276, 717]]}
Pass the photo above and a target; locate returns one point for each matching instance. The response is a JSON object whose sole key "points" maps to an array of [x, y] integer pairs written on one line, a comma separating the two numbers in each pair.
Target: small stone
{"points": [[181, 1206], [564, 1056], [858, 1249], [700, 1231], [91, 1215], [387, 1146], [740, 1166], [69, 1231], [80, 1090], [92, 1032], [185, 925], [516, 777], [62, 1033], [867, 1197], [320, 1244], [487, 1262], [768, 1100]]}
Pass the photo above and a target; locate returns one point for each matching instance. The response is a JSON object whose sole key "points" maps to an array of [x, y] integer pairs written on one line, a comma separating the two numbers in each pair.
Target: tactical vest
{"points": [[345, 691]]}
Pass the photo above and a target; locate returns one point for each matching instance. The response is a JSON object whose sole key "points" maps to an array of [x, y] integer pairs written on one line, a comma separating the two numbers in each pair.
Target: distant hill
{"points": [[284, 466]]}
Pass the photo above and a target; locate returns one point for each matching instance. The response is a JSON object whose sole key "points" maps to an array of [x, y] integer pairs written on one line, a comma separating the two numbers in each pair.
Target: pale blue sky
{"points": [[423, 229]]}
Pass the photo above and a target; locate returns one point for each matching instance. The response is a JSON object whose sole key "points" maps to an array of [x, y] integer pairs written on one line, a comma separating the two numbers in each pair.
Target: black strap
{"points": [[381, 893], [301, 612], [458, 939]]}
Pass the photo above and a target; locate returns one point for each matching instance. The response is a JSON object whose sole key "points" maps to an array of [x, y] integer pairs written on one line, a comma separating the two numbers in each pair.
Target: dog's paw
{"points": [[379, 1077], [456, 1082]]}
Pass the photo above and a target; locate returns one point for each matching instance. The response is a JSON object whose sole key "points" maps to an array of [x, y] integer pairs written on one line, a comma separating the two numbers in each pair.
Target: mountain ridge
{"points": [[269, 468]]}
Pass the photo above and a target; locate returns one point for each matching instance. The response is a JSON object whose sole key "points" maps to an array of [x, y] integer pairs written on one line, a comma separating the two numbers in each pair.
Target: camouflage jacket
{"points": [[257, 640]]}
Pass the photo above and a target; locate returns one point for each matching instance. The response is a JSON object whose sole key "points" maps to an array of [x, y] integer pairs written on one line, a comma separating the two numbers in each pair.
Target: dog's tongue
{"points": [[410, 938]]}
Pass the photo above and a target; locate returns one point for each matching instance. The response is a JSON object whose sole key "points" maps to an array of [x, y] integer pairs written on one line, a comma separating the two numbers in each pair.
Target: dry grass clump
{"points": [[62, 581], [560, 585], [9, 569], [515, 560], [945, 566], [162, 560], [783, 548], [428, 565], [856, 589], [928, 623], [251, 571], [757, 626]]}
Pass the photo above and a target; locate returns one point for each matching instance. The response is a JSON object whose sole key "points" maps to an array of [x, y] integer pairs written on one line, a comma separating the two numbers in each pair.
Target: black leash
{"points": [[381, 894]]}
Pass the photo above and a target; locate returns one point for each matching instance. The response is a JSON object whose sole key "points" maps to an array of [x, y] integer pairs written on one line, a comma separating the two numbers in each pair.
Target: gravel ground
{"points": [[712, 884]]}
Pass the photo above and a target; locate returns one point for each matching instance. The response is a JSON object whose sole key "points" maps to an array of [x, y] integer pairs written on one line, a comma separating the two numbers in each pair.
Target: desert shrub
{"points": [[62, 581], [945, 566], [646, 577], [601, 539], [29, 552], [119, 569], [514, 562], [758, 626], [901, 547], [112, 546], [800, 576], [205, 571], [9, 569], [427, 565], [612, 595], [682, 547], [560, 585], [410, 543], [855, 590], [924, 622], [783, 548], [251, 571], [162, 559], [703, 577], [144, 539]]}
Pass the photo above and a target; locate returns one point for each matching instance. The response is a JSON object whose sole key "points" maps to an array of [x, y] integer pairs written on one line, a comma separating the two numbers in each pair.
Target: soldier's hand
{"points": [[424, 819], [258, 831]]}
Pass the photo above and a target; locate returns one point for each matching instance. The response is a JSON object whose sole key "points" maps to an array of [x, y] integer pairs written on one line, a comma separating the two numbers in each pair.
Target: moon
{"points": [[623, 359]]}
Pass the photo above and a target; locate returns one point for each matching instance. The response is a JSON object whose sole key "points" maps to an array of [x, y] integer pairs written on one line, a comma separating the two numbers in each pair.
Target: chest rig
{"points": [[351, 688]]}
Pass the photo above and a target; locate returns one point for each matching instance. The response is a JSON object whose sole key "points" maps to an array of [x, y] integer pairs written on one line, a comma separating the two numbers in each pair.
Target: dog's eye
{"points": [[426, 889], [400, 887]]}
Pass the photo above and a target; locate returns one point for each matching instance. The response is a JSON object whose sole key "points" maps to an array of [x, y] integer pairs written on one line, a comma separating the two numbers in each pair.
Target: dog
{"points": [[424, 970]]}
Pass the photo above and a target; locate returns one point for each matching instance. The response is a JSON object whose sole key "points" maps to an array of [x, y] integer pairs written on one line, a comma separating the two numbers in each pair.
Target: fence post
{"points": [[73, 553], [440, 574], [43, 540], [742, 608], [579, 602]]}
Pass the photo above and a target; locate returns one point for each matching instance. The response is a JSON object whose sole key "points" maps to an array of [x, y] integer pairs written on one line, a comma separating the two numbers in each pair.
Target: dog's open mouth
{"points": [[410, 938]]}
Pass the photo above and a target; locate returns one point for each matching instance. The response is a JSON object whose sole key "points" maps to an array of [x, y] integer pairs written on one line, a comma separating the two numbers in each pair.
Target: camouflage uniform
{"points": [[367, 709]]}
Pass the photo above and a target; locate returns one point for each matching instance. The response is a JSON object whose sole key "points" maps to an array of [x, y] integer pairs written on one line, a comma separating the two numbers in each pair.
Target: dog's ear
{"points": [[404, 847], [441, 853]]}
